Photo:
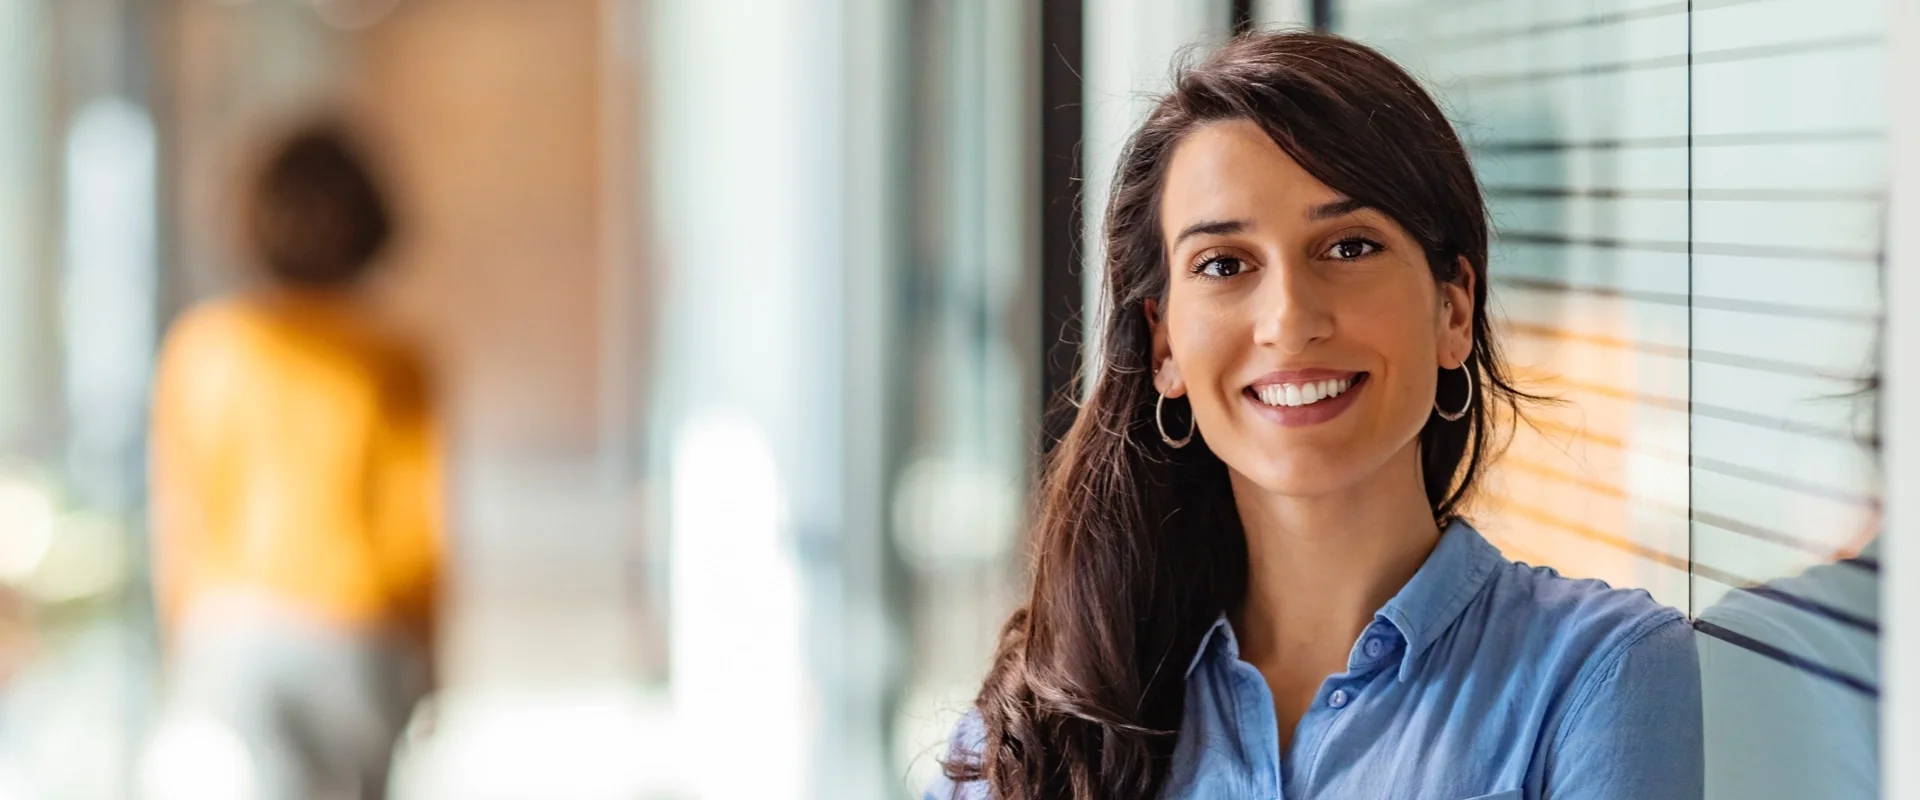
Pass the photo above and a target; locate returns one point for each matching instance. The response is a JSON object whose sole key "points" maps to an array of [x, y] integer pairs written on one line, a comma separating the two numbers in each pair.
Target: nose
{"points": [[1292, 311]]}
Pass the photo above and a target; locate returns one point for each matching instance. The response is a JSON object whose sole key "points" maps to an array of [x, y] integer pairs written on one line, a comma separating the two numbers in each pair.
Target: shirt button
{"points": [[1339, 698], [1374, 647]]}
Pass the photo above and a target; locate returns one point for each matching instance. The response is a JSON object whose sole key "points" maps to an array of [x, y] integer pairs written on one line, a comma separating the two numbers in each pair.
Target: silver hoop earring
{"points": [[1162, 425], [1454, 416]]}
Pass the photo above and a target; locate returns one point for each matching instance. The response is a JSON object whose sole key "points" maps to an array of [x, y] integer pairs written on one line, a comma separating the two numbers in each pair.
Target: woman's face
{"points": [[1305, 331]]}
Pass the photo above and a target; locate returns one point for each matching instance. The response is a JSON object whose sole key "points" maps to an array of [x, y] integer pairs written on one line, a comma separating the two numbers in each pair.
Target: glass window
{"points": [[1688, 199]]}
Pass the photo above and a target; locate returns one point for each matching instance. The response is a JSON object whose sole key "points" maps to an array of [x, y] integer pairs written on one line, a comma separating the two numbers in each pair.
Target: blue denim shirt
{"points": [[1482, 678]]}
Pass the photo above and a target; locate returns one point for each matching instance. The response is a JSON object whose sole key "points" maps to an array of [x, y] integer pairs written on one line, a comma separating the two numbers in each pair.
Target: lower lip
{"points": [[1310, 414]]}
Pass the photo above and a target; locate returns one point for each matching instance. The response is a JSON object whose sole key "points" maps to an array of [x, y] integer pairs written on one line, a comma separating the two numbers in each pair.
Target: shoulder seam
{"points": [[1602, 671]]}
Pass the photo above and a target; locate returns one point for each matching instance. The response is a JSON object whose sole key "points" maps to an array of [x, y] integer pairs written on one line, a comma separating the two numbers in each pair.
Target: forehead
{"points": [[1232, 170]]}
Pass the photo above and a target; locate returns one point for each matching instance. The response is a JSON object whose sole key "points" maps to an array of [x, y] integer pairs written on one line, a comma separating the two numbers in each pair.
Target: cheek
{"points": [[1408, 341], [1396, 312], [1403, 331], [1205, 340]]}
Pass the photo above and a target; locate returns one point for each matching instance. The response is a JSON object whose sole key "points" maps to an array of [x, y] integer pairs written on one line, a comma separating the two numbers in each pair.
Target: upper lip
{"points": [[1302, 376]]}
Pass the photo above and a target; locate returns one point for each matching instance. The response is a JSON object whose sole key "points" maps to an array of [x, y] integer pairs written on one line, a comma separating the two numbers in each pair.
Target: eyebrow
{"points": [[1211, 228], [1228, 227], [1337, 208]]}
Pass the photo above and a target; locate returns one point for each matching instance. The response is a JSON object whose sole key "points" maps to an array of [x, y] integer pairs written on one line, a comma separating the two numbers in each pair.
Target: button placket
{"points": [[1254, 698], [1328, 716]]}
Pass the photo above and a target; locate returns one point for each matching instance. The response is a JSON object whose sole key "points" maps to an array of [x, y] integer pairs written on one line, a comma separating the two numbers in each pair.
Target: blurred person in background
{"points": [[296, 490], [1251, 573]]}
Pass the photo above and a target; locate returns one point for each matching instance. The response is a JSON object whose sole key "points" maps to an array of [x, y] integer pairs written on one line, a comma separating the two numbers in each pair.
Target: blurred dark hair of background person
{"points": [[315, 214]]}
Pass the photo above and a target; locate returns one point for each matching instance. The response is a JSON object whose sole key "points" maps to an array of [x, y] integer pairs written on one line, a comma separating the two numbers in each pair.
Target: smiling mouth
{"points": [[1304, 393]]}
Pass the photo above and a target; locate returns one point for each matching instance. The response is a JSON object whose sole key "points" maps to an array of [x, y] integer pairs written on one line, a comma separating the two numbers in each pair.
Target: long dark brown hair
{"points": [[1137, 546]]}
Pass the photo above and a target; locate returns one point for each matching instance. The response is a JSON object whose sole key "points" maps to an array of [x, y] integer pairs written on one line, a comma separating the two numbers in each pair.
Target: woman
{"points": [[296, 491], [1250, 575]]}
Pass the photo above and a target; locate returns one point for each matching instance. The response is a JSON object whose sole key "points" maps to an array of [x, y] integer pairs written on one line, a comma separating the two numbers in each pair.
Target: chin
{"points": [[1298, 476]]}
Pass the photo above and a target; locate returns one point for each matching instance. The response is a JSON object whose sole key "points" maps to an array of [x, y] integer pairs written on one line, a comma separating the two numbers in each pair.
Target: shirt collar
{"points": [[1460, 564], [1219, 636]]}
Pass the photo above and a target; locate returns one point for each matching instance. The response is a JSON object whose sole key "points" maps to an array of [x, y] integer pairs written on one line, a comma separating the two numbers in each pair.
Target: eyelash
{"points": [[1376, 247], [1199, 267]]}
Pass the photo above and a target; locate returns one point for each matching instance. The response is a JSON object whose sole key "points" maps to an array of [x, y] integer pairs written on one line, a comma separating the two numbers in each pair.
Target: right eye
{"points": [[1219, 267]]}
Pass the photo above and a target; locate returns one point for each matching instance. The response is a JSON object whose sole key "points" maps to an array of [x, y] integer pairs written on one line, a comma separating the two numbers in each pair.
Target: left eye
{"points": [[1349, 249]]}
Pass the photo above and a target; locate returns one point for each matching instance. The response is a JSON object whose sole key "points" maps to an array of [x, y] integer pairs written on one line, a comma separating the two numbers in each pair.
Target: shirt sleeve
{"points": [[968, 740], [1634, 729]]}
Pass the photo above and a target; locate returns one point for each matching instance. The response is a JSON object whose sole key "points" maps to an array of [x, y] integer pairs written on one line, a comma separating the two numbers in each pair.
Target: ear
{"points": [[1166, 373], [1456, 316]]}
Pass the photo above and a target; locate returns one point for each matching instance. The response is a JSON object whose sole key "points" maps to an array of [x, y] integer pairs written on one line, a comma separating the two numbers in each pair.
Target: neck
{"points": [[1318, 568]]}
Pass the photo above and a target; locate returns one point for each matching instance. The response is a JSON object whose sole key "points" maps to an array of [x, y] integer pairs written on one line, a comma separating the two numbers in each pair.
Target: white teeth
{"points": [[1294, 395]]}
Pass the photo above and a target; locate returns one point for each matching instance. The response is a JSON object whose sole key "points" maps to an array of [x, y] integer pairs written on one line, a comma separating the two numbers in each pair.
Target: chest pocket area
{"points": [[1515, 794]]}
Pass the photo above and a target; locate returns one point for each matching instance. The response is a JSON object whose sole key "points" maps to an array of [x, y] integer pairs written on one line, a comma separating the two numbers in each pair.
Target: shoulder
{"points": [[211, 323], [968, 741], [1583, 615], [1613, 650], [1623, 713], [1580, 641], [207, 347]]}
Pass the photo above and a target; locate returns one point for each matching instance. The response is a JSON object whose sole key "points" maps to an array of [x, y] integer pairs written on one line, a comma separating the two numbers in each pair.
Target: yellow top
{"points": [[294, 454]]}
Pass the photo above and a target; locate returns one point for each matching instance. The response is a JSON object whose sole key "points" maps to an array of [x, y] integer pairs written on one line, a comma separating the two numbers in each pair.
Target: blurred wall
{"points": [[496, 116], [489, 112]]}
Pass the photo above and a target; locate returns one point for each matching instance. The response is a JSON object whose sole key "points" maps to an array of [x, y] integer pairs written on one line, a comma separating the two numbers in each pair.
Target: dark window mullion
{"points": [[1062, 34]]}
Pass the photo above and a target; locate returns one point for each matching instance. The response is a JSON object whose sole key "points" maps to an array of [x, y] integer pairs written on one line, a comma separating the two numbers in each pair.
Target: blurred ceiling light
{"points": [[26, 527]]}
